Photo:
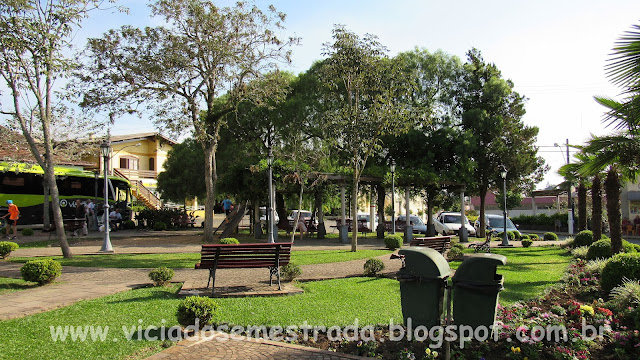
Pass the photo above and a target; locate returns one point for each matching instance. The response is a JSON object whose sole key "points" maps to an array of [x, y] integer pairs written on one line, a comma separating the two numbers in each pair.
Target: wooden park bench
{"points": [[237, 256], [439, 243]]}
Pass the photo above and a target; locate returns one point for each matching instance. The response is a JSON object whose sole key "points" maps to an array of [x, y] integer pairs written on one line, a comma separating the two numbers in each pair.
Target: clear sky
{"points": [[553, 51]]}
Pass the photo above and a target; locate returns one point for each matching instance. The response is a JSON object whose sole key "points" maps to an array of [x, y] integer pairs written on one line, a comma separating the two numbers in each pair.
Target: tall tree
{"points": [[363, 99], [183, 175], [492, 114], [180, 71], [35, 43]]}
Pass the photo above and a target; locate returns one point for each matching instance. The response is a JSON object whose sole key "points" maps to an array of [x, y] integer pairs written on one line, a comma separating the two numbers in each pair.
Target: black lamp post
{"points": [[105, 150], [393, 196], [270, 207], [503, 173]]}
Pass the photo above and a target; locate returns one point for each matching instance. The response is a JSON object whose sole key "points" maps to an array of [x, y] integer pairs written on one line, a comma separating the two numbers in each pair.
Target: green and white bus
{"points": [[23, 183]]}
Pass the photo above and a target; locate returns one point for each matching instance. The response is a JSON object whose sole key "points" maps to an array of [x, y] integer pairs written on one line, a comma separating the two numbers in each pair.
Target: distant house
{"points": [[543, 202]]}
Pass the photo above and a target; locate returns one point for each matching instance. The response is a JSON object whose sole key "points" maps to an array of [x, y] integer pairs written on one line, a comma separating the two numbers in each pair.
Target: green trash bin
{"points": [[476, 287], [422, 282]]}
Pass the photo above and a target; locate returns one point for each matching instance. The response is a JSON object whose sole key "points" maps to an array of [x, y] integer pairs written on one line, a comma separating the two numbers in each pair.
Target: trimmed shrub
{"points": [[526, 243], [290, 271], [393, 242], [160, 226], [455, 253], [6, 247], [550, 236], [583, 238], [625, 295], [196, 307], [27, 232], [601, 249], [229, 241], [534, 237], [524, 237], [580, 252], [161, 275], [129, 224], [511, 235], [41, 271], [619, 267], [373, 266]]}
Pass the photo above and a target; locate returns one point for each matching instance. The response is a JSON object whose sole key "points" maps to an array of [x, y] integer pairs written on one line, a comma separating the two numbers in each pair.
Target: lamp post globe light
{"points": [[505, 237], [105, 150], [393, 196], [270, 207]]}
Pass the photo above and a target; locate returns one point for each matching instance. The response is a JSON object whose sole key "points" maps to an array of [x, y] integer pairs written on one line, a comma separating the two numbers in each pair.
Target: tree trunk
{"points": [[57, 212], [483, 226], [46, 205], [297, 219], [582, 206], [381, 197], [210, 177], [354, 214], [596, 208], [612, 190], [431, 229]]}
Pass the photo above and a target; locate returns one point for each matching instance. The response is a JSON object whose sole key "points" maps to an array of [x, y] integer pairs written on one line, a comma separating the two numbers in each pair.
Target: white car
{"points": [[263, 217], [367, 218], [448, 223]]}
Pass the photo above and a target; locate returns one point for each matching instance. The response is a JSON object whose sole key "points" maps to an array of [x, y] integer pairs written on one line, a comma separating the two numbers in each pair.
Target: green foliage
{"points": [[183, 175], [6, 247], [580, 252], [373, 266], [526, 243], [393, 241], [196, 307], [619, 267], [41, 271], [534, 237], [583, 238], [601, 249], [161, 276], [625, 295], [229, 241], [172, 218], [550, 236], [129, 224], [27, 232], [540, 219], [159, 226], [290, 271], [524, 237], [455, 253], [511, 235]]}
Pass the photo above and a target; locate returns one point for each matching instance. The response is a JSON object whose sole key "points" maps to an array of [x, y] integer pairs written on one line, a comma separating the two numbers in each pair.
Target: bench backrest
{"points": [[230, 256], [439, 243]]}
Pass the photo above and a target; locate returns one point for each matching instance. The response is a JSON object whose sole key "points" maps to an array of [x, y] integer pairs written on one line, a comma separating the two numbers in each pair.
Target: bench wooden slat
{"points": [[438, 243]]}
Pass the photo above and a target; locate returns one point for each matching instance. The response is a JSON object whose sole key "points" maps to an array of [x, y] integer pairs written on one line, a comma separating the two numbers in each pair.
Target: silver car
{"points": [[419, 227], [495, 222]]}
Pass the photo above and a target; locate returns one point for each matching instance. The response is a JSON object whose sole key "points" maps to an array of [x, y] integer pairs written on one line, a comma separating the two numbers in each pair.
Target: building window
{"points": [[152, 164], [130, 163]]}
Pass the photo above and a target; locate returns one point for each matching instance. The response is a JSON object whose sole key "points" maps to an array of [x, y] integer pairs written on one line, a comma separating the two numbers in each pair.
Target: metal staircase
{"points": [[141, 192]]}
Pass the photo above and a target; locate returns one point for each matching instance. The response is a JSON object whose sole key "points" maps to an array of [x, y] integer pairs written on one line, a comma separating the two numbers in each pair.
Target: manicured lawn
{"points": [[9, 285], [333, 302], [529, 271], [188, 260]]}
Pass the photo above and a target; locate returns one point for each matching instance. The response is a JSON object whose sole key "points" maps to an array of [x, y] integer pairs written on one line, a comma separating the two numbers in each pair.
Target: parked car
{"points": [[263, 217], [304, 215], [367, 219], [495, 222], [419, 227], [448, 223]]}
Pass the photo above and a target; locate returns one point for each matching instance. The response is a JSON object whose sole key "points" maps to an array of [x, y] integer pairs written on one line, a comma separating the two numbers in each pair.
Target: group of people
{"points": [[633, 226]]}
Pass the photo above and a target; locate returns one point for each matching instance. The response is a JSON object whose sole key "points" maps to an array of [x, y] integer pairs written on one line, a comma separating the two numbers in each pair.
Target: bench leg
{"points": [[212, 280], [274, 270]]}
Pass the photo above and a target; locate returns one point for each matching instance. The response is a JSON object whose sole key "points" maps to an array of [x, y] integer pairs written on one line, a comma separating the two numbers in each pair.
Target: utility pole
{"points": [[570, 199]]}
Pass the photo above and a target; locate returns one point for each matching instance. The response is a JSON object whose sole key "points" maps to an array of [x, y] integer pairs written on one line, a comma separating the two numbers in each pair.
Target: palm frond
{"points": [[624, 67]]}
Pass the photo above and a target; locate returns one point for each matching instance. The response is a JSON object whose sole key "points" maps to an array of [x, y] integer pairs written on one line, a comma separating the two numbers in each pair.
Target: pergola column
{"points": [[408, 229], [343, 233], [463, 220]]}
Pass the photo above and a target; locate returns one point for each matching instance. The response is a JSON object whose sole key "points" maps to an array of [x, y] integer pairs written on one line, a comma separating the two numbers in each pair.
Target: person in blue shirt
{"points": [[226, 205]]}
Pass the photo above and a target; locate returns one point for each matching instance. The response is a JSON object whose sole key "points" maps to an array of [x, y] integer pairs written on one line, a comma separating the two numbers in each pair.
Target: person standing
{"points": [[91, 215], [13, 214], [226, 205], [81, 214]]}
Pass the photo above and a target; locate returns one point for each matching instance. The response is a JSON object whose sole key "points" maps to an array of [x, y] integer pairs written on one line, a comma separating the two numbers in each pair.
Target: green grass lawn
{"points": [[188, 260], [8, 285]]}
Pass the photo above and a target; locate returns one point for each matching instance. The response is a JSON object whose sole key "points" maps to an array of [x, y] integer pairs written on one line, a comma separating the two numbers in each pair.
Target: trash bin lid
{"points": [[480, 268], [424, 262]]}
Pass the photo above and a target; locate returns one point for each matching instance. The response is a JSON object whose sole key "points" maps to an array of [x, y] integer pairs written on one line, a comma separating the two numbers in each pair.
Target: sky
{"points": [[553, 51]]}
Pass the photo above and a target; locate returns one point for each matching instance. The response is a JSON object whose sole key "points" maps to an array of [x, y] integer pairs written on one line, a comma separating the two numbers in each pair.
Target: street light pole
{"points": [[393, 197], [569, 198], [270, 207], [505, 237], [105, 149]]}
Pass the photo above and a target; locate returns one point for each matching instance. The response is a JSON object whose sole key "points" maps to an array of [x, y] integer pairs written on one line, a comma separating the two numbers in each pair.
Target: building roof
{"points": [[141, 136]]}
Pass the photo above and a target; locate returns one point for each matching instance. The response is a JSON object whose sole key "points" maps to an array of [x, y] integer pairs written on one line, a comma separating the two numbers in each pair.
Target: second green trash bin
{"points": [[422, 283], [475, 290]]}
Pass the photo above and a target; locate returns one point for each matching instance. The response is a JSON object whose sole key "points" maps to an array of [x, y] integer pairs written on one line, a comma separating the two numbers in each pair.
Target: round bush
{"points": [[534, 237], [601, 249], [290, 271], [454, 253], [196, 307], [583, 238], [550, 236], [526, 243], [393, 242], [619, 267], [373, 266], [6, 247], [129, 224], [159, 226], [41, 271], [510, 235], [27, 232], [229, 241], [524, 237], [161, 276]]}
